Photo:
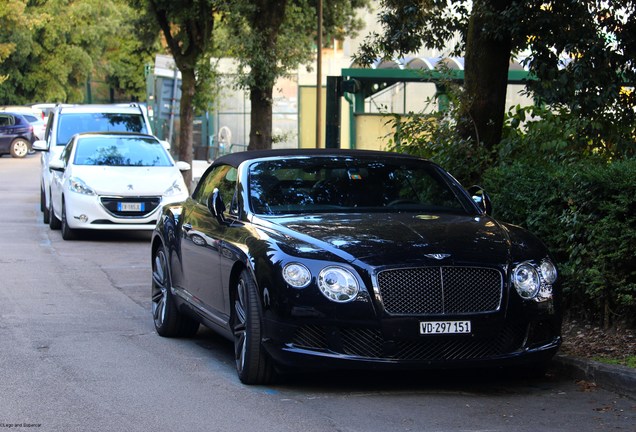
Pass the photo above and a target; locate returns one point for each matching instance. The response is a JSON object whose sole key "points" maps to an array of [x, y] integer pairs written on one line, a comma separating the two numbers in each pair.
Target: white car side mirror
{"points": [[40, 145], [57, 165], [183, 166]]}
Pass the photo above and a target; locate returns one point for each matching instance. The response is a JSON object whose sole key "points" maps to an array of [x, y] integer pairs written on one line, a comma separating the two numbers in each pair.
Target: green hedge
{"points": [[585, 212]]}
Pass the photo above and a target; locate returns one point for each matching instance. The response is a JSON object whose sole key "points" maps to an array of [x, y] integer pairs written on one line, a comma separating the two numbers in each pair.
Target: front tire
{"points": [[45, 210], [169, 322], [54, 222], [20, 148], [68, 233], [253, 365]]}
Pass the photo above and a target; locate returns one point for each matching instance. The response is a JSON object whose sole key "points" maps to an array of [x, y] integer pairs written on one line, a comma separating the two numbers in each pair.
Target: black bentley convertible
{"points": [[351, 259]]}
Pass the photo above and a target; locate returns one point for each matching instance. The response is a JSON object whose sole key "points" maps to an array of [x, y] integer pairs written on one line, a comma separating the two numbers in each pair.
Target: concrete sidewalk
{"points": [[619, 379]]}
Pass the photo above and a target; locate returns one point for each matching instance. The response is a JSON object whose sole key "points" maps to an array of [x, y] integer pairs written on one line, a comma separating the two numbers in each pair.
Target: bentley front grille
{"points": [[440, 290]]}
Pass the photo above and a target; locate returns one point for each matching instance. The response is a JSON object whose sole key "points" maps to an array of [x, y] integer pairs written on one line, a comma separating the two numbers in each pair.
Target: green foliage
{"points": [[585, 211], [435, 137], [561, 176], [270, 38], [568, 179], [58, 44], [560, 135], [580, 51]]}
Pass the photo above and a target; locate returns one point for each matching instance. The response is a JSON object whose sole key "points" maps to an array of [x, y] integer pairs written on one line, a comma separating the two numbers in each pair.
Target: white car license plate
{"points": [[130, 207], [444, 327]]}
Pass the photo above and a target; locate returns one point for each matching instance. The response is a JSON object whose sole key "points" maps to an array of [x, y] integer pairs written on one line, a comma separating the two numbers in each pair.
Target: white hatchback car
{"points": [[113, 181]]}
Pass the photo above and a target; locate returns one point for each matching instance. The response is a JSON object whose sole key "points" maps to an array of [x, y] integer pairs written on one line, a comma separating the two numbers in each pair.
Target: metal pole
{"points": [[319, 79]]}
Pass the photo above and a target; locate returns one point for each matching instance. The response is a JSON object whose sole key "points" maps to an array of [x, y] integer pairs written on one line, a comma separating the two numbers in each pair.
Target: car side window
{"points": [[66, 153], [5, 120], [222, 178]]}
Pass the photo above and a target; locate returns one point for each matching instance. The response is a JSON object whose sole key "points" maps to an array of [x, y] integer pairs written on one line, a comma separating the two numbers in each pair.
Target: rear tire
{"points": [[169, 322], [253, 365]]}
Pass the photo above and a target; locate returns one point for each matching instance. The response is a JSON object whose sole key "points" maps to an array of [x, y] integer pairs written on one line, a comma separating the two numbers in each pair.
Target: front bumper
{"points": [[316, 346], [89, 212]]}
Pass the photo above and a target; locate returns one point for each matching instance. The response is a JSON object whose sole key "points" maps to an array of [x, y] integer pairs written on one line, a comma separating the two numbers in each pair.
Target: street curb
{"points": [[620, 379]]}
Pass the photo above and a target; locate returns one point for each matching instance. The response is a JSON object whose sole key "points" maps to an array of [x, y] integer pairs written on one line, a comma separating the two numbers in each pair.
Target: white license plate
{"points": [[444, 327], [130, 207]]}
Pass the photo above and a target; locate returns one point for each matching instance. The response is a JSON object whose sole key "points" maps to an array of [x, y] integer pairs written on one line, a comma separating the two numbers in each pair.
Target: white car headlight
{"points": [[77, 185], [526, 280], [177, 187], [297, 275], [338, 284]]}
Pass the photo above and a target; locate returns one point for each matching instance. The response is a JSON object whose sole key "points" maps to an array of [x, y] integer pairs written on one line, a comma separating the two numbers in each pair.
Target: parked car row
{"points": [[103, 170]]}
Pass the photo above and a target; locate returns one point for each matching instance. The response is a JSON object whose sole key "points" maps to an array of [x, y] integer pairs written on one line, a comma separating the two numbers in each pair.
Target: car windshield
{"points": [[120, 151], [73, 123], [312, 185]]}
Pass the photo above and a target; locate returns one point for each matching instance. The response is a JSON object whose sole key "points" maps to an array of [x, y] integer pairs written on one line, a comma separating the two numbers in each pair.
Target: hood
{"points": [[127, 181], [401, 238]]}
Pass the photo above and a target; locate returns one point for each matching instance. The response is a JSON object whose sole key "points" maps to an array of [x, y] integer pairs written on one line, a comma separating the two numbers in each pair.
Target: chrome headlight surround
{"points": [[338, 284], [534, 281], [296, 275]]}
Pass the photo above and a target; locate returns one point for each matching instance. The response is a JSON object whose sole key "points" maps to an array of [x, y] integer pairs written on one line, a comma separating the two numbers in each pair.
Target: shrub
{"points": [[586, 213]]}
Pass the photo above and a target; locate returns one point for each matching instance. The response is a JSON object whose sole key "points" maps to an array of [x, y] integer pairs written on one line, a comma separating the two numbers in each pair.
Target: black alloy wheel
{"points": [[169, 322], [252, 363]]}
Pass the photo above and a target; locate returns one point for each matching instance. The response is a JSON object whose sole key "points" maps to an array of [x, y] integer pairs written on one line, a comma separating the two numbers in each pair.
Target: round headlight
{"points": [[548, 271], [526, 280], [297, 275], [338, 284]]}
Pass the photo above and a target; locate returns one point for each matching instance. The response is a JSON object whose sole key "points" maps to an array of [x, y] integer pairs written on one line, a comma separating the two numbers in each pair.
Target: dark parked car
{"points": [[351, 259], [16, 135]]}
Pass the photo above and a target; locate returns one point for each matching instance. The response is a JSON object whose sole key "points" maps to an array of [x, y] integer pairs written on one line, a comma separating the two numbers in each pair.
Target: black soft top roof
{"points": [[235, 159]]}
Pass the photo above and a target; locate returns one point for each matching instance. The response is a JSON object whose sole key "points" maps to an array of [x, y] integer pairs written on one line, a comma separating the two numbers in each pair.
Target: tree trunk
{"points": [[486, 75], [261, 119], [186, 114]]}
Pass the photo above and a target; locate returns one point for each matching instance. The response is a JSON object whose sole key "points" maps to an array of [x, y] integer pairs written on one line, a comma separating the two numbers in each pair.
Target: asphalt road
{"points": [[78, 352]]}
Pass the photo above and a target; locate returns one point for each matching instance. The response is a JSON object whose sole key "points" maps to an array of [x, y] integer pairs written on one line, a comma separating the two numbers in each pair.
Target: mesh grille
{"points": [[369, 343], [440, 290], [310, 337]]}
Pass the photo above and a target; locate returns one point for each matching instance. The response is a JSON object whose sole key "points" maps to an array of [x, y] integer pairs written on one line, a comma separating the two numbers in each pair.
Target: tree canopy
{"points": [[49, 49], [271, 38], [580, 51]]}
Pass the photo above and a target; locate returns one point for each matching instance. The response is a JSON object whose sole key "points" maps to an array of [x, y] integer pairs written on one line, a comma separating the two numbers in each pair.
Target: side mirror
{"points": [[57, 165], [217, 207], [479, 195], [165, 144], [183, 166], [40, 145]]}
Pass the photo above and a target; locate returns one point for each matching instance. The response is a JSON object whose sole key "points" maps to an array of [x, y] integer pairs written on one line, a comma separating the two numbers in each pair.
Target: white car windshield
{"points": [[114, 150], [73, 123]]}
